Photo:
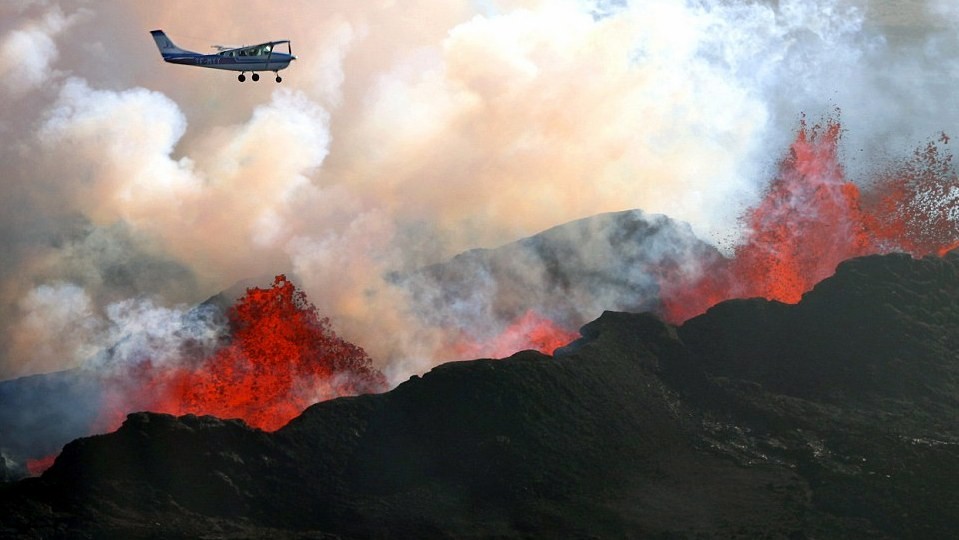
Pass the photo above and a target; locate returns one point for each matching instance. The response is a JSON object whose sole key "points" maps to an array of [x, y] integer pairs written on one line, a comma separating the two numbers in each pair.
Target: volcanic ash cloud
{"points": [[408, 133]]}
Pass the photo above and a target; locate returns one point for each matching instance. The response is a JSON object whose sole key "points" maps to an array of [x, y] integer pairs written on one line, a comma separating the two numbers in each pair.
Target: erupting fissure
{"points": [[532, 330], [282, 357], [812, 218]]}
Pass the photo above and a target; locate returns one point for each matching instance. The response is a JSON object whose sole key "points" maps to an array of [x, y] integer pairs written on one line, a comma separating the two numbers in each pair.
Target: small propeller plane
{"points": [[262, 57]]}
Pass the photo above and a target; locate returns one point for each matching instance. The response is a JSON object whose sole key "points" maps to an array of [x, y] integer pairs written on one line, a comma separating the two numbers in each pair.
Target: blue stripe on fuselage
{"points": [[277, 61]]}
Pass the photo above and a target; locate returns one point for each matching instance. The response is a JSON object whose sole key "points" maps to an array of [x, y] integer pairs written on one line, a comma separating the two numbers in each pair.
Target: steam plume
{"points": [[406, 132]]}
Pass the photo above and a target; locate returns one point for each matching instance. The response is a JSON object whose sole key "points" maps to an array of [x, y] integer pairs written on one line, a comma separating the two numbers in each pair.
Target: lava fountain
{"points": [[532, 330], [811, 218], [281, 358]]}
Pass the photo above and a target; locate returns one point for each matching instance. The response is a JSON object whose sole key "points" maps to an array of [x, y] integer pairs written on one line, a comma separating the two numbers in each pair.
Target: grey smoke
{"points": [[408, 133]]}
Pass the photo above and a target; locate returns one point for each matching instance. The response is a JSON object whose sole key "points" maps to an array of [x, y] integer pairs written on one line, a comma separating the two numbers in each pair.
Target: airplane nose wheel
{"points": [[278, 78], [256, 77], [241, 78]]}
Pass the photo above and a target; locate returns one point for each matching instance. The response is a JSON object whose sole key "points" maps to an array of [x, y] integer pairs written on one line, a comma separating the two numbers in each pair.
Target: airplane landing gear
{"points": [[256, 77]]}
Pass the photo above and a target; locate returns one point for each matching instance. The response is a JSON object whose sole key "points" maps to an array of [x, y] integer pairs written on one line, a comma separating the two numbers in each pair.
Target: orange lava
{"points": [[283, 357], [812, 218], [529, 331], [915, 206], [35, 467]]}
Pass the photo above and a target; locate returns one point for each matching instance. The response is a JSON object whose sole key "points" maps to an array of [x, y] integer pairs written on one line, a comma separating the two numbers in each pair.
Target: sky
{"points": [[405, 133]]}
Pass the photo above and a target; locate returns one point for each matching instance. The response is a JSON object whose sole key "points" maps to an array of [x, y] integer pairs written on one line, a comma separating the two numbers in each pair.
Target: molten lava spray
{"points": [[915, 207], [36, 466], [812, 218], [408, 132], [282, 357], [532, 330]]}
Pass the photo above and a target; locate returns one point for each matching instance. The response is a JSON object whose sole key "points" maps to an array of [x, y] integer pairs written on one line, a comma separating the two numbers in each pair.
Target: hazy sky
{"points": [[406, 132]]}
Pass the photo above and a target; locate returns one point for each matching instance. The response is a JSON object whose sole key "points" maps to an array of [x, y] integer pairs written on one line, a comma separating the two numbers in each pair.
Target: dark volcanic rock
{"points": [[831, 418], [570, 273], [861, 378], [40, 413]]}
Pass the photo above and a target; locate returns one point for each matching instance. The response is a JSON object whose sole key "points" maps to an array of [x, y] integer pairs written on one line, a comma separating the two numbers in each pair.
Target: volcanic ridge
{"points": [[832, 417], [821, 407]]}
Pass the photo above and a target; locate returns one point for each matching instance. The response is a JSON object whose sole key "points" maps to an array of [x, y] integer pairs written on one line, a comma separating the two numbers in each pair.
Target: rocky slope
{"points": [[569, 274], [831, 418]]}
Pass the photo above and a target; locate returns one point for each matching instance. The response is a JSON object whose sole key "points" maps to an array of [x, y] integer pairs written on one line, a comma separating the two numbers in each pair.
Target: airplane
{"points": [[262, 57]]}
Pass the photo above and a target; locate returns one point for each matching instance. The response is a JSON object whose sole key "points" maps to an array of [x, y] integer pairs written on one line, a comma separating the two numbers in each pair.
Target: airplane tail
{"points": [[167, 48]]}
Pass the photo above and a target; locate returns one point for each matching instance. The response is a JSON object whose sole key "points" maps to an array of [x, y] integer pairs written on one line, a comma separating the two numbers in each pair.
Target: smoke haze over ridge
{"points": [[403, 134]]}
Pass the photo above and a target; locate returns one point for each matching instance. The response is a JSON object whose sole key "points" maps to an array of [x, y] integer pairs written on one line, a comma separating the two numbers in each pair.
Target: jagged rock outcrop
{"points": [[830, 418], [570, 274]]}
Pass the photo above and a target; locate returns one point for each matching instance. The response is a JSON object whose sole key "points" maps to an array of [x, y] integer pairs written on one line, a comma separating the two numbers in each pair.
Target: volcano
{"points": [[831, 417], [529, 294], [783, 391], [270, 354]]}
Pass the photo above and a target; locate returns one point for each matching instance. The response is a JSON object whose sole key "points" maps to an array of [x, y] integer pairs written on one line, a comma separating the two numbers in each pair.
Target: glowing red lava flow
{"points": [[282, 358], [812, 218], [36, 466], [531, 330]]}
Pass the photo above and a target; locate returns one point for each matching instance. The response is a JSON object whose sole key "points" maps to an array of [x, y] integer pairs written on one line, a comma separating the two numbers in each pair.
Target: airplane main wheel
{"points": [[256, 77], [241, 78], [279, 79]]}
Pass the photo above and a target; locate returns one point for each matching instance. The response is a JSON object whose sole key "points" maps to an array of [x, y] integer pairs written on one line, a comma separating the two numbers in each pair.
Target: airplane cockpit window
{"points": [[259, 50]]}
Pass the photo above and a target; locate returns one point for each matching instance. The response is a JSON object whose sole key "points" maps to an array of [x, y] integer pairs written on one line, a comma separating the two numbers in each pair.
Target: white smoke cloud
{"points": [[60, 327], [241, 193], [408, 132], [944, 12], [57, 328], [28, 51], [119, 145], [326, 69], [137, 330]]}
